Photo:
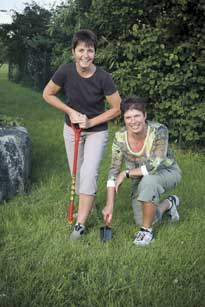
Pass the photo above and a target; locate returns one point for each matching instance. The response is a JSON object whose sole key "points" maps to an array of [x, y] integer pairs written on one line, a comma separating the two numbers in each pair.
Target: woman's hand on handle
{"points": [[107, 214], [76, 117]]}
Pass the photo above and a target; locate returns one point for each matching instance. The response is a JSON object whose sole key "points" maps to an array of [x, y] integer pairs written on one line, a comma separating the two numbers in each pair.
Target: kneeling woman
{"points": [[150, 165]]}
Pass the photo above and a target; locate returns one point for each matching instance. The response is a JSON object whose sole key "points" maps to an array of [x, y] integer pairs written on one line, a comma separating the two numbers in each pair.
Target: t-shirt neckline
{"points": [[84, 78]]}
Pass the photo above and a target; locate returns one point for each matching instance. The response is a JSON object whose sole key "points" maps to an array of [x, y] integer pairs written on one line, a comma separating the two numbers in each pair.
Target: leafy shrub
{"points": [[8, 121]]}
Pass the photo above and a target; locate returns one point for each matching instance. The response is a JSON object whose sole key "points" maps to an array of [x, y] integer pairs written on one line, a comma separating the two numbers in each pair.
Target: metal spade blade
{"points": [[106, 232]]}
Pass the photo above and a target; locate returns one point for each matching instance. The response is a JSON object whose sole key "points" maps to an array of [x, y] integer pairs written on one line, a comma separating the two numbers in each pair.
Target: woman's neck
{"points": [[86, 72]]}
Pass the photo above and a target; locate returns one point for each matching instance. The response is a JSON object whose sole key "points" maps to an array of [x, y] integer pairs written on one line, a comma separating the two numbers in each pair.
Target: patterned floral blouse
{"points": [[153, 156]]}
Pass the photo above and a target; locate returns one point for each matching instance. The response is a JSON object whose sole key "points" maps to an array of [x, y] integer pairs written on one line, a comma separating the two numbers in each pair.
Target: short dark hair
{"points": [[86, 36], [133, 103]]}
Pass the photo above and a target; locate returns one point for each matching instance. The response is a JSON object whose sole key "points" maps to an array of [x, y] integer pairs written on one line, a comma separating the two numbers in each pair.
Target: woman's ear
{"points": [[145, 115]]}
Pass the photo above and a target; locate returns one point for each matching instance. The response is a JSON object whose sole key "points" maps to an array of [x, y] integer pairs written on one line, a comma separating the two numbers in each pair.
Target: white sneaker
{"points": [[143, 237], [78, 232], [174, 202]]}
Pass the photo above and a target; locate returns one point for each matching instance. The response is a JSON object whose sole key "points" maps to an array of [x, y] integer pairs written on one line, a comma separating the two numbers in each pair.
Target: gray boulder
{"points": [[15, 161]]}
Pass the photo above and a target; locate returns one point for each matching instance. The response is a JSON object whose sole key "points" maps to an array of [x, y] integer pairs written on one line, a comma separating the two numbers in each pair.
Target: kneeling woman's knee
{"points": [[149, 189]]}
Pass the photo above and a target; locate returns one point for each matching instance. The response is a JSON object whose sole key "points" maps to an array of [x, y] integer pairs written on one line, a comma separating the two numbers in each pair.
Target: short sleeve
{"points": [[109, 85], [59, 76]]}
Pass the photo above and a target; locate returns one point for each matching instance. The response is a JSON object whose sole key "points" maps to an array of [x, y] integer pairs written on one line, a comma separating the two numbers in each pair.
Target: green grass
{"points": [[3, 72], [39, 266]]}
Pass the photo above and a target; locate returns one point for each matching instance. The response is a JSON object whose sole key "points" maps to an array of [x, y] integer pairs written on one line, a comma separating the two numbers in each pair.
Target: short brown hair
{"points": [[133, 103], [86, 36]]}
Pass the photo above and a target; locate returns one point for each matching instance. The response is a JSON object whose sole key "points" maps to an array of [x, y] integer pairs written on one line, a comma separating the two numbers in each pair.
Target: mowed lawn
{"points": [[40, 266]]}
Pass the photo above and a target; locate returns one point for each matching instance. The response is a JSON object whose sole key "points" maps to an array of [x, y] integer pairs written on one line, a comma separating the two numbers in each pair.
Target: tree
{"points": [[66, 20], [28, 45], [3, 53], [157, 50]]}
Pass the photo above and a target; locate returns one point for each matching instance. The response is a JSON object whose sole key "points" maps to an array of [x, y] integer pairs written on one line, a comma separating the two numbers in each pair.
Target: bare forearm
{"points": [[110, 197], [108, 209], [56, 103], [114, 102], [104, 117]]}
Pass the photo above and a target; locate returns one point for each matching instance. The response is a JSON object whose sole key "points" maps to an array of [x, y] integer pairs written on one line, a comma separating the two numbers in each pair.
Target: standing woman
{"points": [[150, 165], [86, 87]]}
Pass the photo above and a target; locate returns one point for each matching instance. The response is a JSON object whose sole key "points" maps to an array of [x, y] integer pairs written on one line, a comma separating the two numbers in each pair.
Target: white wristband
{"points": [[144, 170], [110, 183]]}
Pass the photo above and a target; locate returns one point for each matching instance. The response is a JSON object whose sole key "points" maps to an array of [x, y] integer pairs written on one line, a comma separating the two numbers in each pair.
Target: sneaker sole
{"points": [[139, 243]]}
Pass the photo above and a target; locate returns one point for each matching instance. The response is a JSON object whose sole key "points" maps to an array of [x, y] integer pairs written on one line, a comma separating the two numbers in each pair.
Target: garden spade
{"points": [[106, 231], [77, 132]]}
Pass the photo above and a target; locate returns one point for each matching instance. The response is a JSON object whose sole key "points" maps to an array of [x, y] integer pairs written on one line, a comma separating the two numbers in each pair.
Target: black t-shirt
{"points": [[85, 95]]}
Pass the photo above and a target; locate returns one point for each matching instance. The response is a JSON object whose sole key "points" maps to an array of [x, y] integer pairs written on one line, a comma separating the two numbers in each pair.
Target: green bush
{"points": [[8, 121]]}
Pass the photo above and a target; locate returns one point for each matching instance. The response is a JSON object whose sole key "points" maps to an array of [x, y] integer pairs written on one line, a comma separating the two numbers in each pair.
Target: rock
{"points": [[15, 161]]}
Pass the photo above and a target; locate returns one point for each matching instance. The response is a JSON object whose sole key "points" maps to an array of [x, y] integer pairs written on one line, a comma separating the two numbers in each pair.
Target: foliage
{"points": [[8, 121], [65, 21], [3, 52], [157, 50], [28, 45]]}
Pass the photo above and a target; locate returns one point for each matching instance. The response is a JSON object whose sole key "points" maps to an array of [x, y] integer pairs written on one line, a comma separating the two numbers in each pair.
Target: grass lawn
{"points": [[40, 266]]}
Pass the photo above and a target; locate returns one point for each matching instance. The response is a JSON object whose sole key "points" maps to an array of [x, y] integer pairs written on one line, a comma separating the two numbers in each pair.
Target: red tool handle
{"points": [[70, 213], [107, 220], [77, 132]]}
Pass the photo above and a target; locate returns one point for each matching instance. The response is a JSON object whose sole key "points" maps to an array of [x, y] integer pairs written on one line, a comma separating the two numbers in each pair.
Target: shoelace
{"points": [[78, 227], [142, 233]]}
